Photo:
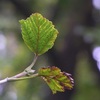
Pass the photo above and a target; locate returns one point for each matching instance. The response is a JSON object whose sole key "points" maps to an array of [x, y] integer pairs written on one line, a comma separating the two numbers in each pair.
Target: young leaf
{"points": [[38, 33], [56, 80]]}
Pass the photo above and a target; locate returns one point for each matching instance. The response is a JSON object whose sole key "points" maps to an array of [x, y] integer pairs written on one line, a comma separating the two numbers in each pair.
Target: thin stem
{"points": [[32, 64], [26, 74], [22, 74], [3, 81], [9, 79], [22, 78]]}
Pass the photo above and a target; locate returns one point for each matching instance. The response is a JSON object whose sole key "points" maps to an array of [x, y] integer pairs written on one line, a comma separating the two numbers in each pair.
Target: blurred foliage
{"points": [[15, 56], [86, 81]]}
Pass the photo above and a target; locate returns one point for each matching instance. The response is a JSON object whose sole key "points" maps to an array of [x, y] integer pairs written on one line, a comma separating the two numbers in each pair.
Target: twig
{"points": [[26, 74], [15, 78], [32, 64]]}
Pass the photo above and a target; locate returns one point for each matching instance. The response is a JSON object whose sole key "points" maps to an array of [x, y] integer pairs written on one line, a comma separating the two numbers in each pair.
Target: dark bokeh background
{"points": [[76, 50]]}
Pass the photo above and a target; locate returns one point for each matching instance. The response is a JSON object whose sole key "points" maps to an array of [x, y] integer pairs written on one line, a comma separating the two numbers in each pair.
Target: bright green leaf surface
{"points": [[56, 80], [38, 33]]}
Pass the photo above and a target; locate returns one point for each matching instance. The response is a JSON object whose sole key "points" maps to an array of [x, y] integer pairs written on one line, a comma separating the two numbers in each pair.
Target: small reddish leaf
{"points": [[56, 80]]}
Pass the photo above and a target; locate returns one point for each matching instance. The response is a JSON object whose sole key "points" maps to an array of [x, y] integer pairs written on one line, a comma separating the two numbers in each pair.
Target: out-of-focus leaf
{"points": [[56, 80], [38, 33]]}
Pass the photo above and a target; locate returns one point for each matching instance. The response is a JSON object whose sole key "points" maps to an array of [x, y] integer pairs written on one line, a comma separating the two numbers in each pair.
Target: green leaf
{"points": [[56, 80], [38, 33]]}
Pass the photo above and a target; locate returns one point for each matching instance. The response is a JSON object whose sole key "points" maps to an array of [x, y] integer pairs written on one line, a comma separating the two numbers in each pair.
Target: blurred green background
{"points": [[76, 50]]}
